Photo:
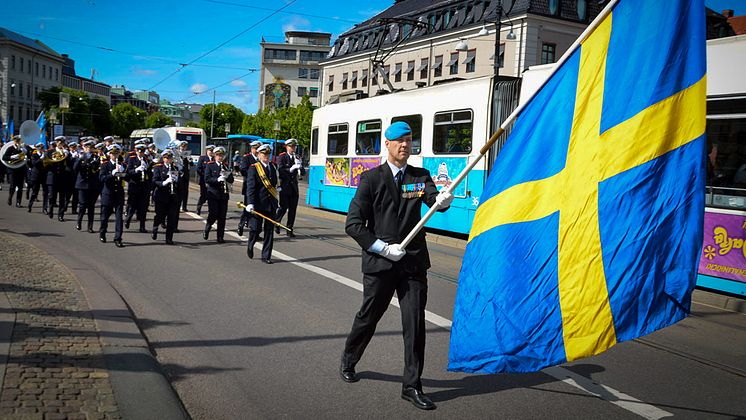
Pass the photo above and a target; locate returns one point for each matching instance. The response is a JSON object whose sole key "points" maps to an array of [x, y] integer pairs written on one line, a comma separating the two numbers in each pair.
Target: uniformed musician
{"points": [[35, 175], [290, 167], [201, 166], [246, 161], [71, 198], [87, 169], [138, 186], [112, 177], [262, 196], [165, 195], [185, 170], [55, 162], [217, 178], [17, 175]]}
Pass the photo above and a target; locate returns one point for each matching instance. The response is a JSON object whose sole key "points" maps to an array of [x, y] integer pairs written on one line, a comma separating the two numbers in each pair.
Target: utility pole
{"points": [[212, 123]]}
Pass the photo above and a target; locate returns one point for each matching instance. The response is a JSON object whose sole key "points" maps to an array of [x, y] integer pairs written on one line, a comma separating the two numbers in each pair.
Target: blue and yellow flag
{"points": [[590, 223]]}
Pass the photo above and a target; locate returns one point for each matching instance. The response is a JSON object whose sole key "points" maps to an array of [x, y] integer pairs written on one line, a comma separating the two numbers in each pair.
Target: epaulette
{"points": [[283, 153], [157, 164], [104, 161], [132, 153]]}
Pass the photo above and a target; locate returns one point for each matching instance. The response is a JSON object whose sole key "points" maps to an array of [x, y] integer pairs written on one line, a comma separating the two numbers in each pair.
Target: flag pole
{"points": [[496, 135]]}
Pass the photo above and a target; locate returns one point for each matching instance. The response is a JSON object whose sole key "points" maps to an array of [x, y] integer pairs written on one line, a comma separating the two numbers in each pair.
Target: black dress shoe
{"points": [[143, 230], [277, 230], [221, 240], [155, 234], [118, 243], [291, 234], [206, 233], [177, 231], [260, 238], [90, 229], [77, 226], [417, 398], [18, 205], [240, 230], [44, 211], [29, 209], [250, 252], [348, 374], [10, 201], [169, 242], [267, 261], [102, 238], [126, 224], [60, 218]]}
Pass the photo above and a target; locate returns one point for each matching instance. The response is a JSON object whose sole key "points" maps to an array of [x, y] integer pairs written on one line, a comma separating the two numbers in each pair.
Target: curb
{"points": [[7, 322]]}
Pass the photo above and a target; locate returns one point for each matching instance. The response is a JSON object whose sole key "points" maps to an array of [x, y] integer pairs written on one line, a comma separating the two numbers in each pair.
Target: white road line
{"points": [[604, 392]]}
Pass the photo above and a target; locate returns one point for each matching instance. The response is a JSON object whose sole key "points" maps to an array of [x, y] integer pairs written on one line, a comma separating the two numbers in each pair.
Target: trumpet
{"points": [[55, 156]]}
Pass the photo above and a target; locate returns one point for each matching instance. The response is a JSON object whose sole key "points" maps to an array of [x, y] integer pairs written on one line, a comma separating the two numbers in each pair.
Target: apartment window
{"points": [[315, 141], [410, 70], [438, 66], [313, 92], [330, 83], [12, 89], [368, 138], [471, 58], [452, 132], [453, 64], [20, 90], [10, 114], [20, 62], [397, 72], [337, 137], [313, 74], [37, 69], [364, 78], [548, 53], [56, 74], [424, 64], [302, 73], [28, 113], [312, 55], [554, 9], [13, 62], [44, 71], [301, 91], [353, 80], [344, 81], [28, 91], [276, 54], [415, 123]]}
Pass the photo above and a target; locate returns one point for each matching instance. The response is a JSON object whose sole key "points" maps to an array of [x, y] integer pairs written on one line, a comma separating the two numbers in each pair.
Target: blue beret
{"points": [[397, 130]]}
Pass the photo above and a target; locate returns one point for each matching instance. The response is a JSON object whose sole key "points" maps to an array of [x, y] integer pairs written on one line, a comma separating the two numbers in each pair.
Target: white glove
{"points": [[14, 156], [167, 181], [115, 170], [249, 208], [221, 178], [444, 199], [139, 169], [393, 252], [295, 167]]}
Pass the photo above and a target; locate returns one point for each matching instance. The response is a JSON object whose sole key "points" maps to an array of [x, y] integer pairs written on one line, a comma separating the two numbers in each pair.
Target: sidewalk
{"points": [[66, 356]]}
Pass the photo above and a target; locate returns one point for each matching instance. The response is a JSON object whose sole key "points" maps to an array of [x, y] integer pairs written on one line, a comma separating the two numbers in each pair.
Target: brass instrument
{"points": [[241, 205], [30, 133], [55, 156]]}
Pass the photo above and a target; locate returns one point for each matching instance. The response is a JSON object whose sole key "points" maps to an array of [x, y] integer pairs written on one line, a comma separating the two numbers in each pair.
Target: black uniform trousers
{"points": [[34, 194], [56, 197], [289, 204], [378, 289], [244, 221], [86, 205], [17, 180], [255, 228], [137, 205], [217, 211], [185, 196], [202, 194], [168, 212], [106, 212]]}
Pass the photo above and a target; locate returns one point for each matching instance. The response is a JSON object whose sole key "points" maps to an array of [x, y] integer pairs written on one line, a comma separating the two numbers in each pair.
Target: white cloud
{"points": [[238, 83], [145, 72], [198, 88], [296, 23]]}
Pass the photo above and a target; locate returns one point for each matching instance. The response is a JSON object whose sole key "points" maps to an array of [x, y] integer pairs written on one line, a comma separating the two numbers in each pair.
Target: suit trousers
{"points": [[17, 181], [137, 205], [289, 203], [218, 211], [106, 212], [378, 289], [56, 196], [167, 211], [255, 224], [86, 205], [34, 187], [202, 194]]}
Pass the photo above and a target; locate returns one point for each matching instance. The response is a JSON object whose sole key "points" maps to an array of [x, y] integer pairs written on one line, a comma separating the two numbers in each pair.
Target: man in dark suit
{"points": [[165, 195], [246, 161], [112, 175], [217, 178], [201, 166], [18, 175], [56, 166], [290, 167], [262, 196], [36, 174], [384, 210], [138, 175], [86, 168]]}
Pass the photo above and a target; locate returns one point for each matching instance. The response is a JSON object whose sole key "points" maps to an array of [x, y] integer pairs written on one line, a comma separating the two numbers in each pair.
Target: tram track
{"points": [[693, 358]]}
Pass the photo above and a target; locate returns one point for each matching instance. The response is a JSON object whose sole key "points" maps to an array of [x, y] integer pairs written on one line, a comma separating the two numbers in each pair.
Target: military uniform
{"points": [[17, 175], [56, 184], [165, 196], [35, 176], [217, 196], [201, 166], [139, 176], [87, 168], [246, 161], [112, 176], [263, 199], [289, 167]]}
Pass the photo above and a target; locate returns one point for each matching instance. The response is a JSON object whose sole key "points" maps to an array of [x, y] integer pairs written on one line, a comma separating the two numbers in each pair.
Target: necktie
{"points": [[399, 178]]}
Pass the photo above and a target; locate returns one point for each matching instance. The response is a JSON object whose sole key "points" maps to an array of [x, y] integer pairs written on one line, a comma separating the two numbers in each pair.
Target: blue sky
{"points": [[151, 38]]}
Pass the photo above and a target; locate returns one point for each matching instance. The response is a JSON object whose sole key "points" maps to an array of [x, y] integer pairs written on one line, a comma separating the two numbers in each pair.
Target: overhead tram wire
{"points": [[183, 65], [132, 54], [288, 12]]}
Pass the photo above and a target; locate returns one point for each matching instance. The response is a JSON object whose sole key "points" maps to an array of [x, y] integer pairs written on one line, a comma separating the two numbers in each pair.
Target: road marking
{"points": [[604, 392]]}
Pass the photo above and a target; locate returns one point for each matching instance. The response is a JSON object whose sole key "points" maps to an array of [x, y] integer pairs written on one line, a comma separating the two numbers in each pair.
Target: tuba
{"points": [[30, 133]]}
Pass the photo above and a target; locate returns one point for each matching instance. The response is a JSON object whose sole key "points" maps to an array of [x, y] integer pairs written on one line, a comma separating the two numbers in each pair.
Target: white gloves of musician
{"points": [[444, 199], [295, 167], [118, 171], [14, 156], [393, 252], [249, 208], [221, 178], [167, 181]]}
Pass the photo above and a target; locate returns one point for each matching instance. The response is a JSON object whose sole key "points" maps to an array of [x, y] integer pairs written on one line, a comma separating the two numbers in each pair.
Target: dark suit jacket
{"points": [[36, 171], [378, 211], [215, 189], [289, 180], [56, 171], [246, 161], [87, 169], [162, 193], [257, 194], [201, 166], [137, 181], [112, 190]]}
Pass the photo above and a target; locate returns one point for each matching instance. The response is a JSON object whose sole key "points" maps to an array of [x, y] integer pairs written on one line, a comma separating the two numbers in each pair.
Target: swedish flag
{"points": [[591, 220]]}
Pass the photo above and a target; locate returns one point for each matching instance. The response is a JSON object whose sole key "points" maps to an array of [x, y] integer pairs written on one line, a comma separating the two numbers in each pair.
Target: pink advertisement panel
{"points": [[724, 246]]}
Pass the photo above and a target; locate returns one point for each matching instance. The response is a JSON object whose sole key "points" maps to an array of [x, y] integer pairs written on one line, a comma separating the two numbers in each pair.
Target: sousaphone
{"points": [[30, 133]]}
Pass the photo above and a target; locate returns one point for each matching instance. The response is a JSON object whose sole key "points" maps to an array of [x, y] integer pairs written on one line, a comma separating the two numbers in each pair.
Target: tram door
{"points": [[504, 101]]}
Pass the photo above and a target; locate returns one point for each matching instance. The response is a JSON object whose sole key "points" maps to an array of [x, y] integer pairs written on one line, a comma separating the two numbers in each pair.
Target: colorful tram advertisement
{"points": [[450, 124]]}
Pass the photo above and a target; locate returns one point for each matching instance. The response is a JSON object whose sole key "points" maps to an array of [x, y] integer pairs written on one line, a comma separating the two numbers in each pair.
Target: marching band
{"points": [[126, 182]]}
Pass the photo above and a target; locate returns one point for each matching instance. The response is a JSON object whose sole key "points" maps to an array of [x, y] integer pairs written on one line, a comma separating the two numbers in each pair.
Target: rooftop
{"points": [[6, 34]]}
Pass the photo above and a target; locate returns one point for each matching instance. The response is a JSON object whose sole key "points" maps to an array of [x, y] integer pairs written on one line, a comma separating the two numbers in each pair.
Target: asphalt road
{"points": [[241, 339]]}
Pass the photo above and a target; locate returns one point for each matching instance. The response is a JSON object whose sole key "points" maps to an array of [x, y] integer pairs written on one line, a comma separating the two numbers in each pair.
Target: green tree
{"points": [[158, 120], [294, 121], [91, 113], [101, 116], [126, 118], [224, 113]]}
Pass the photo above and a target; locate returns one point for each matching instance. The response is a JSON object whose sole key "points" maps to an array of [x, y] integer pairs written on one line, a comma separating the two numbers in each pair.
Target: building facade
{"points": [[419, 43], [27, 67], [291, 70], [120, 94], [93, 88], [182, 113]]}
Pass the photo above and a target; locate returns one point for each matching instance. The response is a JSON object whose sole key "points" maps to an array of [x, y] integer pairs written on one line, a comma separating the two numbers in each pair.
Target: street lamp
{"points": [[462, 45]]}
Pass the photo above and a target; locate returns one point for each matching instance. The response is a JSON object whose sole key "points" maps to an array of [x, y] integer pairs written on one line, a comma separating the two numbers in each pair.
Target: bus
{"points": [[195, 137], [450, 124]]}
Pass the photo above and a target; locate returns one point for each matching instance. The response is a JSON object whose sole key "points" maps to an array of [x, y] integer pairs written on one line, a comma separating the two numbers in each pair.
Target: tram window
{"points": [[368, 138], [315, 141], [726, 162], [336, 143], [415, 123], [452, 132]]}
